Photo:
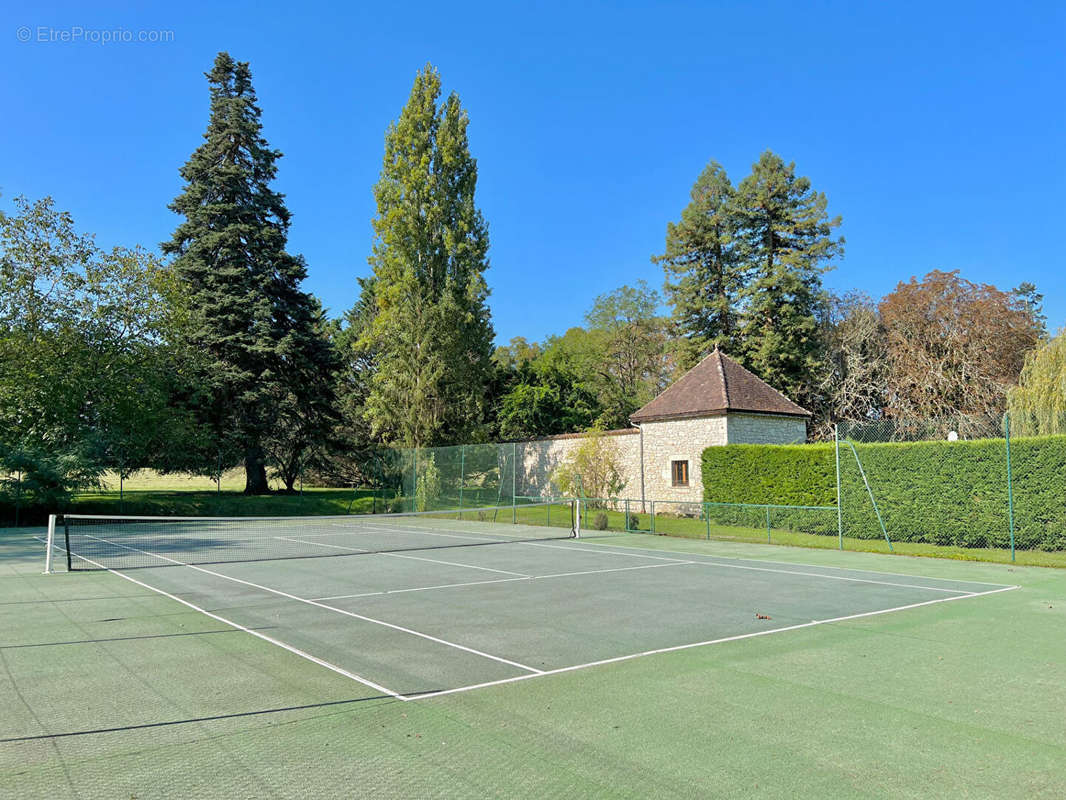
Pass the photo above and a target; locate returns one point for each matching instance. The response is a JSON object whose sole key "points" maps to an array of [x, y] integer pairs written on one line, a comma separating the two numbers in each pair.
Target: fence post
{"points": [[462, 475], [768, 524], [707, 519], [652, 507], [1010, 483], [514, 475], [840, 513]]}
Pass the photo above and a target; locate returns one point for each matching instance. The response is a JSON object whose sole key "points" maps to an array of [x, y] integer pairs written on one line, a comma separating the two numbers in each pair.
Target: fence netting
{"points": [[461, 476], [964, 481]]}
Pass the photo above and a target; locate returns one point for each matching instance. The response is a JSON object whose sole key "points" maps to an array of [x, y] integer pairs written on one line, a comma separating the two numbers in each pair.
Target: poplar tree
{"points": [[431, 332], [253, 327], [785, 236]]}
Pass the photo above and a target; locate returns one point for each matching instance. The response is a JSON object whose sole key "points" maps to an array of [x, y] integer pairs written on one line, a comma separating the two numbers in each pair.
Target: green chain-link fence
{"points": [[965, 481]]}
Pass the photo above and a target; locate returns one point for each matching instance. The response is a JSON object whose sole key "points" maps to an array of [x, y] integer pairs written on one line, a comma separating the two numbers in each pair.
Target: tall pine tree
{"points": [[703, 275], [786, 237], [431, 332], [254, 328]]}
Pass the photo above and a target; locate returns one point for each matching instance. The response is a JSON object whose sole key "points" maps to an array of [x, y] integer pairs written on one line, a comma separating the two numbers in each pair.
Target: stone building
{"points": [[717, 402]]}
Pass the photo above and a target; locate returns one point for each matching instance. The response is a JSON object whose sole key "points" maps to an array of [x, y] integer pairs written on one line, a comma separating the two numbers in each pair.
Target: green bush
{"points": [[939, 492], [790, 475], [600, 521]]}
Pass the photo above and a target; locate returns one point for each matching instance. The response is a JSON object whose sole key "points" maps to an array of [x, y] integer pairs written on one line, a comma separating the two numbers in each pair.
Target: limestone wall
{"points": [[663, 443], [540, 458], [678, 440]]}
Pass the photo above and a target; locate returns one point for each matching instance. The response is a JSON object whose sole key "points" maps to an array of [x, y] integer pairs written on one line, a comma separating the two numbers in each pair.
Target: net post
{"points": [[575, 506], [66, 541], [1010, 483], [840, 513], [50, 544]]}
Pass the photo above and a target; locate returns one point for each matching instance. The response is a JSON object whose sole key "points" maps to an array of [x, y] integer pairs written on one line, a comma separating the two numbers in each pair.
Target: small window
{"points": [[679, 472]]}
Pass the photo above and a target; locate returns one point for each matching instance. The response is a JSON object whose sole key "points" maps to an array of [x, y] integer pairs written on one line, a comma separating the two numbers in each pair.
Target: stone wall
{"points": [[663, 443], [540, 458], [678, 440]]}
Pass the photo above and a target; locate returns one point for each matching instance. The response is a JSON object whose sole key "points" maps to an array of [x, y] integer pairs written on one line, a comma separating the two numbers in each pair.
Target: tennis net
{"points": [[102, 542]]}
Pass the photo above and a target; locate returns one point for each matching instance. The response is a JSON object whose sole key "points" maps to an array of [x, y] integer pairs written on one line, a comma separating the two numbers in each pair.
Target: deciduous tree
{"points": [[954, 346], [1037, 404], [431, 331]]}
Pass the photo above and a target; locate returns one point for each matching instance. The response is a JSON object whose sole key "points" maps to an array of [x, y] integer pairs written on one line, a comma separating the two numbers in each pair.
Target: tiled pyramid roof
{"points": [[717, 385]]}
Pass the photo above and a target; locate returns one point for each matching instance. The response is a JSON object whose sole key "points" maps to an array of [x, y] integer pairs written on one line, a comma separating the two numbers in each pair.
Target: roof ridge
{"points": [[725, 382]]}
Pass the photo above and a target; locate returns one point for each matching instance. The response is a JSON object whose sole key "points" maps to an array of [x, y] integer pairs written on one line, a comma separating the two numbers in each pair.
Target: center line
{"points": [[404, 555]]}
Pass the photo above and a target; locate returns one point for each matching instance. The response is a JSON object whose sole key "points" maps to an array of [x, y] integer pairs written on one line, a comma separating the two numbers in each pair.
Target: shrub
{"points": [[600, 521]]}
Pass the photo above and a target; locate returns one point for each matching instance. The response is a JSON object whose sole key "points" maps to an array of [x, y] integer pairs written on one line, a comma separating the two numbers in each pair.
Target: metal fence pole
{"points": [[462, 474], [768, 524], [707, 519], [840, 512], [1010, 484]]}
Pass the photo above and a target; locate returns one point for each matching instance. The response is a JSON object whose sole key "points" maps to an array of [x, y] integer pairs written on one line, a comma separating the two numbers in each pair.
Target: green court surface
{"points": [[441, 663]]}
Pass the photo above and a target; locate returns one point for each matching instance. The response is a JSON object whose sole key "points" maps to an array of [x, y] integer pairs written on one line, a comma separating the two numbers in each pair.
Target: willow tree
{"points": [[431, 332], [1038, 403]]}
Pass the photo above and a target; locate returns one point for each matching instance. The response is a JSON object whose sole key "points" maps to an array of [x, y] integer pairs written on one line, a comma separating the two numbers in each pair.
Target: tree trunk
{"points": [[255, 481]]}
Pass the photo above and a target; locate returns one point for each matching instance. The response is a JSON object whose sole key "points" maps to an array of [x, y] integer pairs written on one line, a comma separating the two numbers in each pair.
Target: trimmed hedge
{"points": [[781, 474], [948, 493]]}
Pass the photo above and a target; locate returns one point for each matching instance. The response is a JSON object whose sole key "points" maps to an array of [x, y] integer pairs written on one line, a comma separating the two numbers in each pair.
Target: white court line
{"points": [[501, 580], [238, 626], [770, 569], [323, 605], [813, 566], [404, 555], [724, 639], [602, 549], [418, 589]]}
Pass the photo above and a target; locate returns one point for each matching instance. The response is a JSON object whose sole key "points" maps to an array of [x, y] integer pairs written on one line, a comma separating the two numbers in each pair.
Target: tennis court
{"points": [[415, 606]]}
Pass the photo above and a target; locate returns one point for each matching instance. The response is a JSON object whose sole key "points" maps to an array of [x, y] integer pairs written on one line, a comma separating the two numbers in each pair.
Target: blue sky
{"points": [[935, 129]]}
